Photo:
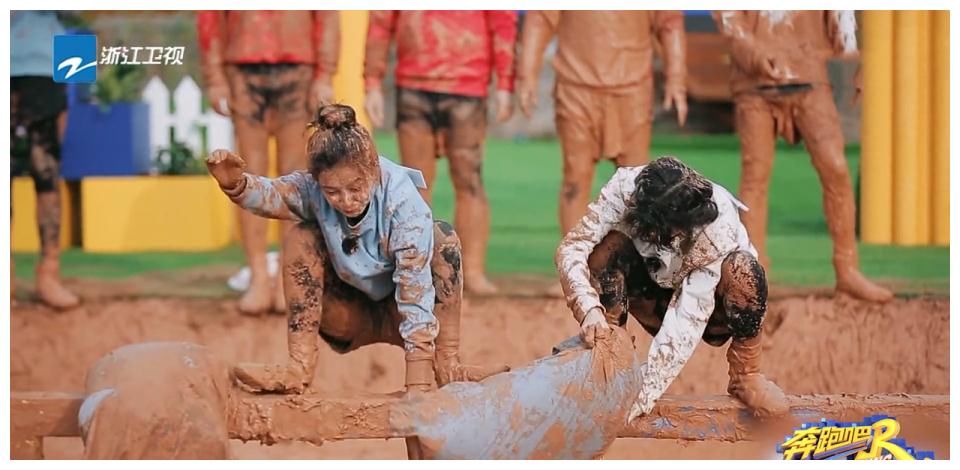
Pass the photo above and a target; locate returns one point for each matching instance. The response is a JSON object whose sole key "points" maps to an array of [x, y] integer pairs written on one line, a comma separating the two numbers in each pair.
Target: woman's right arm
{"points": [[575, 249], [273, 198]]}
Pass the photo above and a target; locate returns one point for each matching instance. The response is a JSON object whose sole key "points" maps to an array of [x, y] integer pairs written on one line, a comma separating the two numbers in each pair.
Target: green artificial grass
{"points": [[523, 179]]}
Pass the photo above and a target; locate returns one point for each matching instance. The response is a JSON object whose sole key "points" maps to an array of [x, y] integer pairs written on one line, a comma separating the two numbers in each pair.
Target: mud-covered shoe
{"points": [[748, 385]]}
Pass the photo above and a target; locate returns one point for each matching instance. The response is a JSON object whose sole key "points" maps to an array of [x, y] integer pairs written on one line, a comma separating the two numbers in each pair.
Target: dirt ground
{"points": [[814, 344]]}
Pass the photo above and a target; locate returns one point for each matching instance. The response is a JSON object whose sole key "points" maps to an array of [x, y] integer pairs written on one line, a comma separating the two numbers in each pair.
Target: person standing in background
{"points": [[781, 87], [445, 60], [268, 71], [38, 117], [604, 88]]}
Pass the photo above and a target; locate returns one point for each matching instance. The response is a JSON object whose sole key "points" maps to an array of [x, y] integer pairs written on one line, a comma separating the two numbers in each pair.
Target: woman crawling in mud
{"points": [[666, 245], [366, 263]]}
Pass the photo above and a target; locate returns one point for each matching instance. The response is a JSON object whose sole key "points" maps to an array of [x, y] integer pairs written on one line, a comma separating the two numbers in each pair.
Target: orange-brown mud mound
{"points": [[813, 345]]}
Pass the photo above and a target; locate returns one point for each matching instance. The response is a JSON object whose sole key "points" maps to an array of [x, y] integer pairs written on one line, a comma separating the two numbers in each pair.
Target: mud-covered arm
{"points": [[411, 244], [683, 325], [211, 30], [539, 27], [379, 35], [326, 39], [274, 198], [502, 25], [669, 30], [602, 216]]}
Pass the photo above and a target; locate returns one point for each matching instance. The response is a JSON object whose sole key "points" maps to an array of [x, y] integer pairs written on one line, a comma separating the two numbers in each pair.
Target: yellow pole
{"points": [[905, 135], [348, 82], [924, 198], [940, 141], [876, 209]]}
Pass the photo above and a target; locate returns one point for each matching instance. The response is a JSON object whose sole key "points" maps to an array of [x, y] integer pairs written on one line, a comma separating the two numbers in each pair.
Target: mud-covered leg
{"points": [[468, 123], [303, 285], [249, 106], [291, 144], [819, 124], [45, 170], [448, 284], [415, 136], [742, 295], [756, 128]]}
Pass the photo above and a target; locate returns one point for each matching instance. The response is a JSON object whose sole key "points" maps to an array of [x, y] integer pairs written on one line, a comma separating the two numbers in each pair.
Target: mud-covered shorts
{"points": [[35, 105], [460, 120]]}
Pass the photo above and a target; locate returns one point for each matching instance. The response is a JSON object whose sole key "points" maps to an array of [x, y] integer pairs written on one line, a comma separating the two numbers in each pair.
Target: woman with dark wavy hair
{"points": [[666, 245]]}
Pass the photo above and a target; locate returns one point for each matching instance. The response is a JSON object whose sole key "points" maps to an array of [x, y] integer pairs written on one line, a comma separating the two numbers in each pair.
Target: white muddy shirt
{"points": [[693, 276]]}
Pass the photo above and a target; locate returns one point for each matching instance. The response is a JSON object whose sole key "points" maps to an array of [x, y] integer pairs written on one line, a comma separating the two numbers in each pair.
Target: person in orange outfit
{"points": [[267, 70], [445, 60], [604, 88], [781, 87]]}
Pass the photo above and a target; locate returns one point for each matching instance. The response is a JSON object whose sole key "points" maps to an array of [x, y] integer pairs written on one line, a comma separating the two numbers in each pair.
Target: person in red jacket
{"points": [[267, 70], [445, 60]]}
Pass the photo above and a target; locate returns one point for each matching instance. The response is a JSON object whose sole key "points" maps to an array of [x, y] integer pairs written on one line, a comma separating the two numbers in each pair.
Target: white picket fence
{"points": [[187, 119]]}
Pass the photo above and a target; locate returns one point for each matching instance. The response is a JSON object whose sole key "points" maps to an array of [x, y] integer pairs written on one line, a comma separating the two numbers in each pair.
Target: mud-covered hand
{"points": [[594, 327], [373, 104], [676, 96], [527, 95], [219, 98], [280, 378], [321, 93], [504, 105], [227, 168]]}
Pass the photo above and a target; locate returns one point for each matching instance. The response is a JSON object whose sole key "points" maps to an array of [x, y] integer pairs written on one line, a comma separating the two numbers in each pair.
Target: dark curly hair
{"points": [[338, 138], [671, 200]]}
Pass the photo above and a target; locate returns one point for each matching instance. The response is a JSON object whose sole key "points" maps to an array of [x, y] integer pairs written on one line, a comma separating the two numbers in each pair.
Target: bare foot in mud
{"points": [[857, 286], [52, 292], [257, 299]]}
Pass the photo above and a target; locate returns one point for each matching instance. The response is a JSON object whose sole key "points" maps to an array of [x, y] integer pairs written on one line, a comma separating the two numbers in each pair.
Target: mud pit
{"points": [[814, 345]]}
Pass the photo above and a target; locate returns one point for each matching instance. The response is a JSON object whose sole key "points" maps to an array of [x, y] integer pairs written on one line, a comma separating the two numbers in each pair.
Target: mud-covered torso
{"points": [[604, 48], [369, 263], [800, 42]]}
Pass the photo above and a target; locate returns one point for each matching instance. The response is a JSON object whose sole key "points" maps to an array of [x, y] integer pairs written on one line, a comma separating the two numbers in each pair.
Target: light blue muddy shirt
{"points": [[31, 42], [395, 238]]}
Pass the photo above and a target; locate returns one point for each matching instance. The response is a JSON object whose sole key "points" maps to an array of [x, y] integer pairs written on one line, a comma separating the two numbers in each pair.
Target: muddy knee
{"points": [[743, 293], [609, 265], [446, 265]]}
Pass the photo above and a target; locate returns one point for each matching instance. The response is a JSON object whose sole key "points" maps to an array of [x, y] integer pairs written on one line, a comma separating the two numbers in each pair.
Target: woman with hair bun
{"points": [[366, 262]]}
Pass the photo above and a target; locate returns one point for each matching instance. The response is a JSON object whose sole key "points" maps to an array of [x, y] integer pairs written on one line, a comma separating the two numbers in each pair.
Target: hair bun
{"points": [[335, 116]]}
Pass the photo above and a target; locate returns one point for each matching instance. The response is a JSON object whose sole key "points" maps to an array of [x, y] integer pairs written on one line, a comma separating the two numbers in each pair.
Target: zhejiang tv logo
{"points": [[75, 58]]}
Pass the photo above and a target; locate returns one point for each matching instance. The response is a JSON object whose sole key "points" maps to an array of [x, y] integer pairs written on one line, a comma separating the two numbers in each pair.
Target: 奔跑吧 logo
{"points": [[875, 438]]}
